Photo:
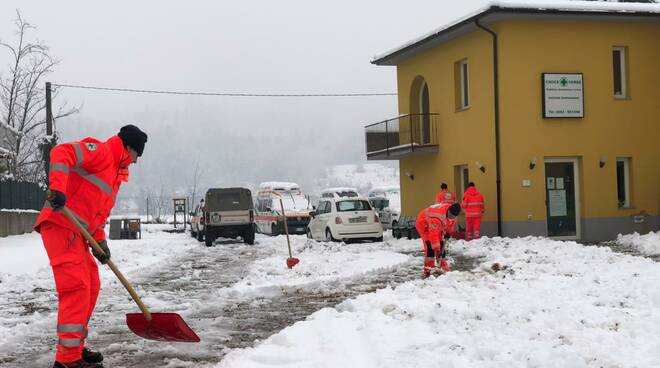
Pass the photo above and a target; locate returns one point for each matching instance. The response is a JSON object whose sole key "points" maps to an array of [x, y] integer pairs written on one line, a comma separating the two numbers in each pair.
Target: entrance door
{"points": [[562, 199]]}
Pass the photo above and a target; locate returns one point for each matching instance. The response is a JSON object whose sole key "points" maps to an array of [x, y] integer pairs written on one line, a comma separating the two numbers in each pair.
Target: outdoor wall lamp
{"points": [[481, 167], [410, 175], [602, 161], [532, 164]]}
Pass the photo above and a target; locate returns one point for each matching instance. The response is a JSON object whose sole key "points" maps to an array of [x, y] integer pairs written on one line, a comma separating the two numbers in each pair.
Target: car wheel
{"points": [[273, 230], [379, 239], [209, 240], [200, 236], [328, 235], [248, 237]]}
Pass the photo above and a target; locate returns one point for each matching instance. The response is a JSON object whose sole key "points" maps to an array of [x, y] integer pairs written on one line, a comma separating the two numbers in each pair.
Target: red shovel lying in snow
{"points": [[153, 326], [291, 261]]}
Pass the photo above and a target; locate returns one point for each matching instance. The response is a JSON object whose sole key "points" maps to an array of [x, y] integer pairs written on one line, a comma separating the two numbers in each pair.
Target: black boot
{"points": [[91, 356], [77, 364]]}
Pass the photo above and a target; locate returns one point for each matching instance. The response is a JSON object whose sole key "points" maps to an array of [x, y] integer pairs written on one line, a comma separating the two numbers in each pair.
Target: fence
{"points": [[21, 195]]}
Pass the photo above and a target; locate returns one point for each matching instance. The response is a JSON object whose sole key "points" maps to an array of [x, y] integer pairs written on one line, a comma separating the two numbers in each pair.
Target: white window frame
{"points": [[465, 83], [622, 72], [626, 179]]}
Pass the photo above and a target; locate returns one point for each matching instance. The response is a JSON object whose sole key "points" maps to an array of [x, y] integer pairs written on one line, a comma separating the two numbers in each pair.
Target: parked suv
{"points": [[229, 213]]}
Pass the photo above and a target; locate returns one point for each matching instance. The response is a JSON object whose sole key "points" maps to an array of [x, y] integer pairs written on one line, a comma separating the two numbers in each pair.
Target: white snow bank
{"points": [[22, 254], [648, 244], [23, 257], [323, 266], [554, 304]]}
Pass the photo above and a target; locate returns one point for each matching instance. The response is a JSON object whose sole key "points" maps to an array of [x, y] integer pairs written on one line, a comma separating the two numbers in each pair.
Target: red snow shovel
{"points": [[153, 326], [291, 261]]}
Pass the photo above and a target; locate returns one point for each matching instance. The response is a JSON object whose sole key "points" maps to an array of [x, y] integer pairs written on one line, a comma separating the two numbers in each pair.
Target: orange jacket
{"points": [[473, 203], [445, 196], [89, 173], [432, 223]]}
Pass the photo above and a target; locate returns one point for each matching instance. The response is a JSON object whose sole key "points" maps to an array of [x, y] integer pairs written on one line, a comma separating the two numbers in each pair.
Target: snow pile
{"points": [[648, 244], [323, 266], [533, 302]]}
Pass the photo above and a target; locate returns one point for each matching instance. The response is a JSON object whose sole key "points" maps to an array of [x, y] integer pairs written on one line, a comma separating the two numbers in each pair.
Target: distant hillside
{"points": [[361, 176]]}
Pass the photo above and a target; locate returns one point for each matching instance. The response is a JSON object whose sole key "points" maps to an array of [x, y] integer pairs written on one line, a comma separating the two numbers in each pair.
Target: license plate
{"points": [[354, 220], [300, 229]]}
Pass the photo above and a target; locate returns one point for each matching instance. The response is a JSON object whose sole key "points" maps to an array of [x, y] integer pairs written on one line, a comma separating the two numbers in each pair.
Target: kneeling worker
{"points": [[435, 224]]}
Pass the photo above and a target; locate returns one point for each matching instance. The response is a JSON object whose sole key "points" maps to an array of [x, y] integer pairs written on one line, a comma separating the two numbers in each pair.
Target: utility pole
{"points": [[48, 143]]}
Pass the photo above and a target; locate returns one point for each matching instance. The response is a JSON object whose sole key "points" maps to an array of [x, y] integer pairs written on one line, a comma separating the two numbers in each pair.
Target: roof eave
{"points": [[468, 24]]}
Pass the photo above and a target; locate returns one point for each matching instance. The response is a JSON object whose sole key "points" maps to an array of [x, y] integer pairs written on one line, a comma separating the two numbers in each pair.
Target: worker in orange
{"points": [[435, 225], [445, 195], [85, 176], [473, 205]]}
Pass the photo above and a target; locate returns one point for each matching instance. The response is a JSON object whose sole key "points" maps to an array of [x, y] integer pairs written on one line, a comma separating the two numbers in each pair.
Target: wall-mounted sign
{"points": [[557, 199], [563, 95]]}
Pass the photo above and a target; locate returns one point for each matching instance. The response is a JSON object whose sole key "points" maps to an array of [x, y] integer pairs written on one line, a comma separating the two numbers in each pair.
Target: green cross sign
{"points": [[563, 82]]}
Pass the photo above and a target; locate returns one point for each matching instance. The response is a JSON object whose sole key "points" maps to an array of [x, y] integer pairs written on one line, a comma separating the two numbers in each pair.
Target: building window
{"points": [[461, 76], [623, 181], [619, 71]]}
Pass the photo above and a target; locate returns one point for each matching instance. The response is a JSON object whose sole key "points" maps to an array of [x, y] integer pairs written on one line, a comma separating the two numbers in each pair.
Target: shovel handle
{"points": [[68, 214], [286, 228]]}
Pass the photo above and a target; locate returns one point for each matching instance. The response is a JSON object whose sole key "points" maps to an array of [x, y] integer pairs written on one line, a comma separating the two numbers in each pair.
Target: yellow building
{"points": [[553, 113]]}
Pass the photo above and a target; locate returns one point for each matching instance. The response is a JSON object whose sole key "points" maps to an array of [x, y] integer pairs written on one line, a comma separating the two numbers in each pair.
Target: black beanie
{"points": [[133, 137], [455, 209]]}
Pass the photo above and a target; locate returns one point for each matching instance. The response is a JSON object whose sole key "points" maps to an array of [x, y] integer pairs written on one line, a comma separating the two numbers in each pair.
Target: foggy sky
{"points": [[279, 46]]}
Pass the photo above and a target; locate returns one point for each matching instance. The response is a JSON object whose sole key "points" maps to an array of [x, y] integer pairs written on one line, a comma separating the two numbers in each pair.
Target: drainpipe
{"points": [[497, 127]]}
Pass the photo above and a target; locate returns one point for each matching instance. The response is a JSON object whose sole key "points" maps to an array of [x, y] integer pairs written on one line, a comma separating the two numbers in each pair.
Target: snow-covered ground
{"points": [[648, 244], [530, 302], [551, 304]]}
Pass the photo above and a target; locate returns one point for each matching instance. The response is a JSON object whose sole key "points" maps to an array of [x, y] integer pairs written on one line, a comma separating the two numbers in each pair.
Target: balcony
{"points": [[405, 135]]}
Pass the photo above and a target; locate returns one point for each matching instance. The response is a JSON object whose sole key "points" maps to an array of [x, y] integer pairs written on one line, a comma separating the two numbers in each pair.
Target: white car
{"points": [[339, 192], [344, 219], [387, 202]]}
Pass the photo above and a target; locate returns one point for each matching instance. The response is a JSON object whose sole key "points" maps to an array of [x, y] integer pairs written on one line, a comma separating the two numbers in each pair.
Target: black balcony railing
{"points": [[402, 136]]}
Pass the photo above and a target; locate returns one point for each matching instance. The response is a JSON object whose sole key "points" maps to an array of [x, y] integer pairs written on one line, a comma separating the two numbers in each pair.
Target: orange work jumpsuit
{"points": [[431, 224], [445, 196], [473, 205], [89, 172]]}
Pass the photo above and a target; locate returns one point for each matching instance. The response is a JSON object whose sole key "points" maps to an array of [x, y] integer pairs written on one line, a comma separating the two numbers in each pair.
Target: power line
{"points": [[223, 94]]}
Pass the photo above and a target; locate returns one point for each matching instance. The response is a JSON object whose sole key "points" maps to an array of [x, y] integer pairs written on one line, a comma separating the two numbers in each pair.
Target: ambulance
{"points": [[297, 207]]}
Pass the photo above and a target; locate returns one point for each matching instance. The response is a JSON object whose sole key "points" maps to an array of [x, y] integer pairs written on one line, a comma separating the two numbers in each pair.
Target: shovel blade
{"points": [[290, 262], [161, 327]]}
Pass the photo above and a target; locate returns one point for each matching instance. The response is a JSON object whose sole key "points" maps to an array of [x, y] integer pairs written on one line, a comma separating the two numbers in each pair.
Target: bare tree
{"points": [[196, 179], [23, 101]]}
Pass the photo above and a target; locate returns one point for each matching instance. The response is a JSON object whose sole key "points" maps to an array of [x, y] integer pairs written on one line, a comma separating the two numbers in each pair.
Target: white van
{"points": [[269, 214]]}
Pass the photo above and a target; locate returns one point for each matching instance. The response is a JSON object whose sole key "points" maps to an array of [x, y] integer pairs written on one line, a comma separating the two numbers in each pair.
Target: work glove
{"points": [[435, 247], [103, 258], [56, 198]]}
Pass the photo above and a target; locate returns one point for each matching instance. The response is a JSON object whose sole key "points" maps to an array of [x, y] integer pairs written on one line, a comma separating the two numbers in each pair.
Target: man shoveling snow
{"points": [[433, 224], [85, 176]]}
